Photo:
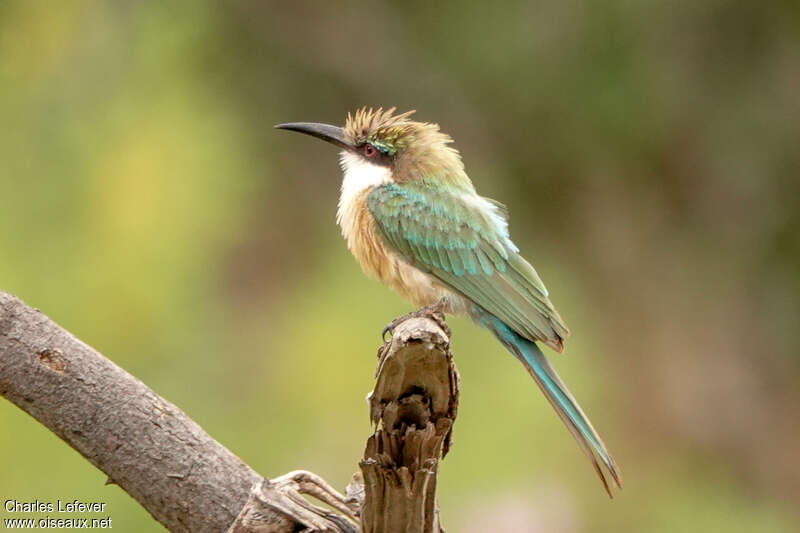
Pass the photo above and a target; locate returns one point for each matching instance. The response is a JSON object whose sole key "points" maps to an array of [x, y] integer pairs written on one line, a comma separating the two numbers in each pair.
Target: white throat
{"points": [[359, 174]]}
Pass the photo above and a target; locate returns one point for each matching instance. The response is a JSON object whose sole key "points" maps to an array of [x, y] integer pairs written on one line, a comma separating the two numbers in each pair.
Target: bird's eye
{"points": [[370, 150]]}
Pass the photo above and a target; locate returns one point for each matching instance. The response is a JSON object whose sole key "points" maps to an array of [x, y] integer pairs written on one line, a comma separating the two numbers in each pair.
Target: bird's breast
{"points": [[379, 261]]}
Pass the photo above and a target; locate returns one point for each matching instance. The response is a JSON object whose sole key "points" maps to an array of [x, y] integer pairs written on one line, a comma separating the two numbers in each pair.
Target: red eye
{"points": [[369, 150]]}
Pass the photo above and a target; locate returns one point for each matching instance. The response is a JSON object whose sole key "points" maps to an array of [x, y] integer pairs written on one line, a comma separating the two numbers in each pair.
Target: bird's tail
{"points": [[556, 392]]}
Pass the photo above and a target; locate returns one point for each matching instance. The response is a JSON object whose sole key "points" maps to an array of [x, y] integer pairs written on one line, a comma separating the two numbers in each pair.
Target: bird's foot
{"points": [[435, 312]]}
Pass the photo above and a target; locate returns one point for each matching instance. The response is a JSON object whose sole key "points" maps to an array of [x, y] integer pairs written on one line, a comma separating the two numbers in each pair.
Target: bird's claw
{"points": [[388, 329], [394, 323]]}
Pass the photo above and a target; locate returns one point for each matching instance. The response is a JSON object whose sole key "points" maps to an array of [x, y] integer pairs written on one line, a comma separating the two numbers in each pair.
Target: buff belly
{"points": [[378, 261]]}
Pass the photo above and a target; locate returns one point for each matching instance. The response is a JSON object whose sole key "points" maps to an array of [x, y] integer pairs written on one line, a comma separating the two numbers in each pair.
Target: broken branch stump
{"points": [[414, 407]]}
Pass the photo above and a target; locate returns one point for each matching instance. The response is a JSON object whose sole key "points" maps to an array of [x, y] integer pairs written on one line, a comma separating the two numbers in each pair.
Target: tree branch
{"points": [[146, 445], [191, 483]]}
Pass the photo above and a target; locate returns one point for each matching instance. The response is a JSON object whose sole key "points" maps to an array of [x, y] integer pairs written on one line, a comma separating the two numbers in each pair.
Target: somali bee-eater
{"points": [[413, 220]]}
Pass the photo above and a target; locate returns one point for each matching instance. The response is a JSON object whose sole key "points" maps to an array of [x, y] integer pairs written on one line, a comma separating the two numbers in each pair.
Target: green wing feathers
{"points": [[462, 239]]}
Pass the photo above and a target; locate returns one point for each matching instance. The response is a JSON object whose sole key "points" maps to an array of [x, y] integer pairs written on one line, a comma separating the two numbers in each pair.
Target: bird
{"points": [[412, 218]]}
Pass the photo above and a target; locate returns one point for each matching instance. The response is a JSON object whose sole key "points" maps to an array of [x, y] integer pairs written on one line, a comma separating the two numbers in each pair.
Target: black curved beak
{"points": [[326, 132]]}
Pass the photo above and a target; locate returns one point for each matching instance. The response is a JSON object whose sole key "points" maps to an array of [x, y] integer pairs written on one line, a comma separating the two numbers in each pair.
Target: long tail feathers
{"points": [[559, 397]]}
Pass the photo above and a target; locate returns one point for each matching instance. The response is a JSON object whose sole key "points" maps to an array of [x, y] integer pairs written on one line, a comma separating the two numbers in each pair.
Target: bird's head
{"points": [[404, 148]]}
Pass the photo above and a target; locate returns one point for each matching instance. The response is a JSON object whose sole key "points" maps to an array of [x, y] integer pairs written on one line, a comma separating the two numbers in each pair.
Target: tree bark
{"points": [[190, 483], [146, 445]]}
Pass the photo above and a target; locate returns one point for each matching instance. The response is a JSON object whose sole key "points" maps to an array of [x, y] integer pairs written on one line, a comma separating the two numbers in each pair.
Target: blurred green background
{"points": [[648, 153]]}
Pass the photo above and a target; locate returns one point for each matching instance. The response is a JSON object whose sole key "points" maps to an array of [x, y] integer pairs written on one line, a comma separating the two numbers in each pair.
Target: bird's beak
{"points": [[326, 132]]}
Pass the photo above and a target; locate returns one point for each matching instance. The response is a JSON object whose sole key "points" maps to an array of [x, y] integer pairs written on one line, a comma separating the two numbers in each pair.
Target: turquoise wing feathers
{"points": [[462, 239]]}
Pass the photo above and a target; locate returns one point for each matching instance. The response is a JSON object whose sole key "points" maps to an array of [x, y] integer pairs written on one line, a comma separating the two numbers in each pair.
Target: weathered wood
{"points": [[278, 506], [414, 407], [191, 483]]}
